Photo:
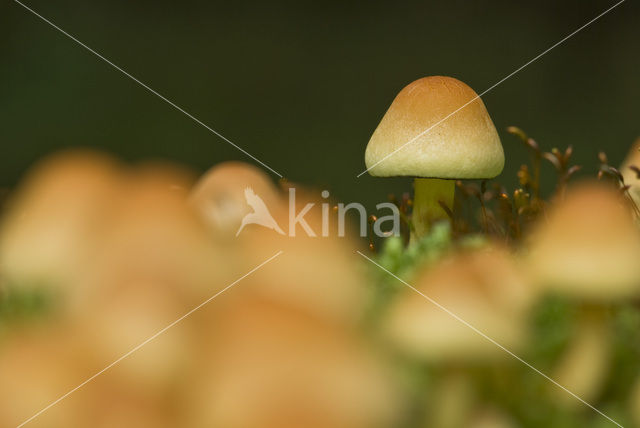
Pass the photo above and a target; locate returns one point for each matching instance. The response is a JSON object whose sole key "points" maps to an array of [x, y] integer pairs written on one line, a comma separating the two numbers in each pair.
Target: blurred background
{"points": [[302, 85]]}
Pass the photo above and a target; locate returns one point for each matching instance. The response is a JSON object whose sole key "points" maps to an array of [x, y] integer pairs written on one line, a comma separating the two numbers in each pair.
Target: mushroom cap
{"points": [[49, 228], [40, 360], [465, 145], [292, 367], [482, 287], [588, 246], [219, 196]]}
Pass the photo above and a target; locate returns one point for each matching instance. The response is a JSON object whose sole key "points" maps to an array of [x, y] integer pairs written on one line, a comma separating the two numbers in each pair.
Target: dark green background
{"points": [[301, 85]]}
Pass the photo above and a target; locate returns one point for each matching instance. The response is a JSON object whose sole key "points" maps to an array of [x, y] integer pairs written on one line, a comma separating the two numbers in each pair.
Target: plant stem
{"points": [[426, 209]]}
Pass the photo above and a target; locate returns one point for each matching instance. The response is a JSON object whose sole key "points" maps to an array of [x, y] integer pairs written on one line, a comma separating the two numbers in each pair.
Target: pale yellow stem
{"points": [[426, 207]]}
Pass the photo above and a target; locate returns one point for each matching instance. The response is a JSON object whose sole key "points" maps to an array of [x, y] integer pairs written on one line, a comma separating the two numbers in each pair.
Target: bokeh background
{"points": [[301, 85]]}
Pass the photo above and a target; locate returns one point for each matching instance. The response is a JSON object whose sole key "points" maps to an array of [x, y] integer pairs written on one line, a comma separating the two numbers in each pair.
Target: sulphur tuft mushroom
{"points": [[49, 229], [219, 195], [482, 287], [586, 250], [588, 246], [475, 289], [436, 130], [292, 365]]}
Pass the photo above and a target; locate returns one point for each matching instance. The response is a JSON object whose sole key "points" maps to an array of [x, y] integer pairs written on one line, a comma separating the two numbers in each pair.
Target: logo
{"points": [[260, 215]]}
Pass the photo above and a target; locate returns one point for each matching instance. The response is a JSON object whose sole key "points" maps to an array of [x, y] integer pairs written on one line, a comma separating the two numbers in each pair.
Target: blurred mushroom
{"points": [[492, 418], [586, 250], [483, 288], [271, 363], [39, 365], [587, 247], [312, 273], [125, 315], [583, 367], [219, 196], [154, 238], [48, 233], [463, 143], [286, 341], [36, 369], [453, 400]]}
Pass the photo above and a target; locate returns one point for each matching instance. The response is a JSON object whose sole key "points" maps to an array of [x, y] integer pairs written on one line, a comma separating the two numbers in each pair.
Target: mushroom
{"points": [[39, 362], [292, 365], [483, 287], [584, 365], [35, 365], [436, 130], [219, 195], [476, 289], [49, 229], [587, 249]]}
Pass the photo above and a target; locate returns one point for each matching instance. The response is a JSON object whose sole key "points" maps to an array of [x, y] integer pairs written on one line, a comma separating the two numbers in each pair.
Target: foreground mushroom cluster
{"points": [[98, 257], [150, 283]]}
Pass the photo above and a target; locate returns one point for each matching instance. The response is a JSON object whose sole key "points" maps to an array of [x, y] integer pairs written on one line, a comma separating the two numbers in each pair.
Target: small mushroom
{"points": [[153, 236], [39, 362], [438, 131], [588, 246], [476, 289], [292, 367], [219, 195], [587, 251], [483, 288], [50, 226]]}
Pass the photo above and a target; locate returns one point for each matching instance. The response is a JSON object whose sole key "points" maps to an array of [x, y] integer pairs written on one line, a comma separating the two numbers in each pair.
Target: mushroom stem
{"points": [[454, 401], [426, 209], [583, 368]]}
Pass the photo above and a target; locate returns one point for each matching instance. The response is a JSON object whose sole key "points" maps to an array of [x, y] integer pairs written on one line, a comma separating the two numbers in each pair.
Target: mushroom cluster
{"points": [[176, 301], [124, 257]]}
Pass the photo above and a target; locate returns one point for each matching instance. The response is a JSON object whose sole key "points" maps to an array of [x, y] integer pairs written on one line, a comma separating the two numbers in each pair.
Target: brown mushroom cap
{"points": [[49, 228], [219, 195], [465, 145], [481, 287], [588, 248]]}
